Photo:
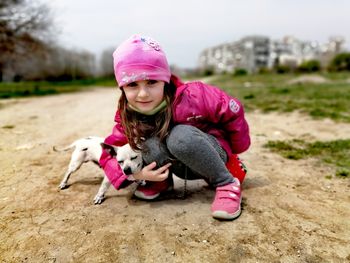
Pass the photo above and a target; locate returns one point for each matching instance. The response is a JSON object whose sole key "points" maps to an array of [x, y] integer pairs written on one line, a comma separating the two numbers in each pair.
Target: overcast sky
{"points": [[185, 27]]}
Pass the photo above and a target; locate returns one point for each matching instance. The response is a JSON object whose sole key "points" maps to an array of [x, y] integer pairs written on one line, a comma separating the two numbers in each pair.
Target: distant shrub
{"points": [[209, 71], [309, 66], [240, 72], [282, 69], [340, 62], [264, 70]]}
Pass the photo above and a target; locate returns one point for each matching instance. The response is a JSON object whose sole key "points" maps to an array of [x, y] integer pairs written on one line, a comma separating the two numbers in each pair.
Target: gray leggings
{"points": [[188, 147]]}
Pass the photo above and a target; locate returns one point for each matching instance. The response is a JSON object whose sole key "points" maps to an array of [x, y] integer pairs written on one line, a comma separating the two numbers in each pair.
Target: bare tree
{"points": [[24, 27], [59, 64], [106, 63]]}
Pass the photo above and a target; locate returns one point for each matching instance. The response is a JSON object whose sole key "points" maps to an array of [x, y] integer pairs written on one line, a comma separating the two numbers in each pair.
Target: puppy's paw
{"points": [[99, 199]]}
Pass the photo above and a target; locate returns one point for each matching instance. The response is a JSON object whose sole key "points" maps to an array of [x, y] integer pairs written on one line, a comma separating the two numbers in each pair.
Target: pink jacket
{"points": [[203, 106]]}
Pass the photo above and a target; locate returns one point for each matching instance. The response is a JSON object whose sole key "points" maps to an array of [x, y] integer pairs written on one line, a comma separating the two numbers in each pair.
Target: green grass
{"points": [[335, 152], [272, 93], [26, 89]]}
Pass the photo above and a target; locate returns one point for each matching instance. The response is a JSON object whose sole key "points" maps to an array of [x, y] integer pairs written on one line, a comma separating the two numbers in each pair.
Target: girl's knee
{"points": [[181, 133], [180, 139]]}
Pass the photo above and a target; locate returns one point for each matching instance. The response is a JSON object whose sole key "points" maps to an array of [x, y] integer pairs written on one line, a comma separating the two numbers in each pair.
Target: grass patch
{"points": [[27, 89], [272, 93], [335, 152], [342, 173], [8, 127]]}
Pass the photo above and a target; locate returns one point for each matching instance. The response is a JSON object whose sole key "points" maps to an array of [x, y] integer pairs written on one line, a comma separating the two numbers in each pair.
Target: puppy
{"points": [[89, 149]]}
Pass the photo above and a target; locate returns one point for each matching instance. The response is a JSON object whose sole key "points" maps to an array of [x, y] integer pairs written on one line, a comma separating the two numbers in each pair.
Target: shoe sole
{"points": [[141, 195], [220, 214]]}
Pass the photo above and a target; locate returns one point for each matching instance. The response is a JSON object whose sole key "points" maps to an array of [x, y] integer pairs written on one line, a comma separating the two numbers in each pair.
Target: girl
{"points": [[189, 129]]}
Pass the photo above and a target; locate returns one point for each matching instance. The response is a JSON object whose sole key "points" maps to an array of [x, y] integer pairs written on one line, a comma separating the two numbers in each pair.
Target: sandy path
{"points": [[292, 213]]}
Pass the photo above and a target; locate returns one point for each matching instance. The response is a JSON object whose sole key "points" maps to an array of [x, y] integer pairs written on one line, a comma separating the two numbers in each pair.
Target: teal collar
{"points": [[161, 106]]}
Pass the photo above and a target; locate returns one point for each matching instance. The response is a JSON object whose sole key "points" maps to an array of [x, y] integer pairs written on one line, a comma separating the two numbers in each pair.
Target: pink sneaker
{"points": [[227, 202], [152, 190]]}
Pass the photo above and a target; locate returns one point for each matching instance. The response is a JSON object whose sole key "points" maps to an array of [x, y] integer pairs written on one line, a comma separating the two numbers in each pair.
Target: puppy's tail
{"points": [[57, 149]]}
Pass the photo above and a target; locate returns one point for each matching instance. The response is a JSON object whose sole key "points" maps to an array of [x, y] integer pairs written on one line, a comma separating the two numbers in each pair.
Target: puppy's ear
{"points": [[111, 149]]}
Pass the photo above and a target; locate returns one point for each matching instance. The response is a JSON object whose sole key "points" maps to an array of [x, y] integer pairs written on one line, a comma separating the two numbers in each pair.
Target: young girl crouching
{"points": [[193, 130]]}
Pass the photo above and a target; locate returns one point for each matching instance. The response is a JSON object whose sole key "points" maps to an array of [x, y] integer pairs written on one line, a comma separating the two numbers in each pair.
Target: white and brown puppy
{"points": [[89, 149]]}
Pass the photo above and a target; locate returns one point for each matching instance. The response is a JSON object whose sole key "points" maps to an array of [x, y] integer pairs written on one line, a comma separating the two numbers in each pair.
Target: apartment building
{"points": [[250, 53], [254, 52]]}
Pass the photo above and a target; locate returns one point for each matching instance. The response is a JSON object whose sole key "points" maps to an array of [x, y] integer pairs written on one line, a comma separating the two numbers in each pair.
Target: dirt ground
{"points": [[291, 212]]}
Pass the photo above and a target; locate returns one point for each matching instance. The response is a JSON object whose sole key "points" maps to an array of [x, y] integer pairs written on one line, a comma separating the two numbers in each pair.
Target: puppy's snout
{"points": [[127, 171]]}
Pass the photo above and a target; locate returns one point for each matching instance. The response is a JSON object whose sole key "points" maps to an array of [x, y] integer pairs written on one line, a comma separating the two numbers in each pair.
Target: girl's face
{"points": [[144, 95]]}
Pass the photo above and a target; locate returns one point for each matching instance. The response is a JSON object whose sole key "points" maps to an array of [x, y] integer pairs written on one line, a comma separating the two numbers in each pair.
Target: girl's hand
{"points": [[158, 175]]}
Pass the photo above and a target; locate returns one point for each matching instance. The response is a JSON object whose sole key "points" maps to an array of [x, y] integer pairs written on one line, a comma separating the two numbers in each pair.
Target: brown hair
{"points": [[139, 127]]}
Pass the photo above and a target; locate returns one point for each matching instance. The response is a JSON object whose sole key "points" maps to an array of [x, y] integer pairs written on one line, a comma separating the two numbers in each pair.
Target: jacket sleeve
{"points": [[227, 112], [109, 164]]}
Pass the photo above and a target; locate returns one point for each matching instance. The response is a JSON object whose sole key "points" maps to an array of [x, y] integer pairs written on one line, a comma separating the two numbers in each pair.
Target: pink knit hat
{"points": [[140, 58]]}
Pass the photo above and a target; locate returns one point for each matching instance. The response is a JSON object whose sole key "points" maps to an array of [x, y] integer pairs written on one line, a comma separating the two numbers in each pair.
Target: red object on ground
{"points": [[236, 167]]}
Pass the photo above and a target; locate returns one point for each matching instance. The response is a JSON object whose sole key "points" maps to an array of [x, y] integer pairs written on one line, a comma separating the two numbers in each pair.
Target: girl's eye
{"points": [[151, 82], [131, 84]]}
